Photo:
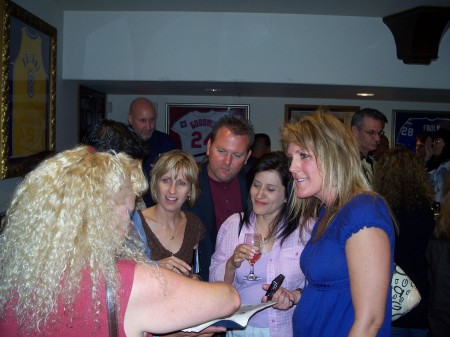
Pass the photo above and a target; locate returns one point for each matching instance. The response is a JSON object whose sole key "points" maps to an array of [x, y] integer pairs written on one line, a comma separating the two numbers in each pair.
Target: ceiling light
{"points": [[213, 90], [365, 94]]}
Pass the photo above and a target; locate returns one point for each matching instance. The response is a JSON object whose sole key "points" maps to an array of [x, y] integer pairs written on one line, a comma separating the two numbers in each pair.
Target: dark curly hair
{"points": [[112, 135]]}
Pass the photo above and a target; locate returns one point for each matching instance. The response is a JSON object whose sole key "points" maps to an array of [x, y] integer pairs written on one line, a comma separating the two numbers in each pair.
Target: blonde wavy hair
{"points": [[337, 155], [61, 221]]}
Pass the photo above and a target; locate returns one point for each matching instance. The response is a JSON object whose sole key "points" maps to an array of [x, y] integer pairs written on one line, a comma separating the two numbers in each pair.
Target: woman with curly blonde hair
{"points": [[401, 178], [64, 244], [348, 262]]}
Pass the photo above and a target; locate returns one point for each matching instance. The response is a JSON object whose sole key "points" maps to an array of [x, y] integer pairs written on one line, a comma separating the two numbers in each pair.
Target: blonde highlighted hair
{"points": [[174, 162], [62, 221], [337, 155]]}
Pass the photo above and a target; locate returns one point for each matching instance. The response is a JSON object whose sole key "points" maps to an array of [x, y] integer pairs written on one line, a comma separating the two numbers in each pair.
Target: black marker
{"points": [[274, 286]]}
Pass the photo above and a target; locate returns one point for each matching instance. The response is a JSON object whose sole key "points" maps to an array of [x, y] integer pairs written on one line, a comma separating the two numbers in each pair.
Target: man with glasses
{"points": [[367, 127]]}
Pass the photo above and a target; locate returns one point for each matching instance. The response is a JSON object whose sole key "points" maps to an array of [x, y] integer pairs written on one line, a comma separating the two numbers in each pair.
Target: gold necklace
{"points": [[180, 224], [165, 227], [174, 232]]}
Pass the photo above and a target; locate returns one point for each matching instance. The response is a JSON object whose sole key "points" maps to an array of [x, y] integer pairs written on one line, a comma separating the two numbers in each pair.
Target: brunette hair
{"points": [[401, 178], [283, 224], [111, 135], [239, 126]]}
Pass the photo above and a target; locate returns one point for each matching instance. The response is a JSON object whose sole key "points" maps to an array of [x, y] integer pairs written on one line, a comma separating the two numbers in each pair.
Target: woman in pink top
{"points": [[267, 213], [67, 235]]}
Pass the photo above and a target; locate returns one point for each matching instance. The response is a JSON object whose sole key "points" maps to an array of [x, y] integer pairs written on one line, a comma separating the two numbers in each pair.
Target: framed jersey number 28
{"points": [[190, 125]]}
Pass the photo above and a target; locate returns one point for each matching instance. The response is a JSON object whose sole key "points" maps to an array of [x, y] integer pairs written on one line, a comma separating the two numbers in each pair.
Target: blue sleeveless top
{"points": [[325, 308]]}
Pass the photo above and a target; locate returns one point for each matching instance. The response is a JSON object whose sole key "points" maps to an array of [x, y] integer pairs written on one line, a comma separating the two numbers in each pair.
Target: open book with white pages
{"points": [[238, 320]]}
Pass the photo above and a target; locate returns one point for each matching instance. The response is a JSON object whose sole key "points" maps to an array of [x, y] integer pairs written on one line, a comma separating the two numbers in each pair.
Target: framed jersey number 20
{"points": [[190, 125]]}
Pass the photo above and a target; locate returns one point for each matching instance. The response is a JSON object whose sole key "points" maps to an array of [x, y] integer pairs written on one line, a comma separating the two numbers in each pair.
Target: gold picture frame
{"points": [[293, 112], [28, 90]]}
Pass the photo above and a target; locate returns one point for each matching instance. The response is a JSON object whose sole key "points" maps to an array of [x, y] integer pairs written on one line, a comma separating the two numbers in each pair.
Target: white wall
{"points": [[249, 47]]}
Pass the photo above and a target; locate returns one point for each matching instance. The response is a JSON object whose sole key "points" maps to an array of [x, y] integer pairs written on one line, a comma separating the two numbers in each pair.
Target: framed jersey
{"points": [[190, 125], [408, 124], [28, 90]]}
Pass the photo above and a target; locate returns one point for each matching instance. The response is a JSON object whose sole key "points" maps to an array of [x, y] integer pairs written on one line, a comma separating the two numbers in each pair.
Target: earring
{"points": [[189, 197]]}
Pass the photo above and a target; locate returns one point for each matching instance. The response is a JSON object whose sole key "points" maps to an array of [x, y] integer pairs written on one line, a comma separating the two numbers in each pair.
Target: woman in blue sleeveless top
{"points": [[348, 262]]}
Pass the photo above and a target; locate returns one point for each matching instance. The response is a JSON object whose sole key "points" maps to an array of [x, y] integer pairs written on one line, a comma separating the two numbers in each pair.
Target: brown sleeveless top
{"points": [[193, 233]]}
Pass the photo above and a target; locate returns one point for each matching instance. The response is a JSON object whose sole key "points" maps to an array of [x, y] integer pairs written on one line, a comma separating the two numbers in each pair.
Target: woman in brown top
{"points": [[171, 233]]}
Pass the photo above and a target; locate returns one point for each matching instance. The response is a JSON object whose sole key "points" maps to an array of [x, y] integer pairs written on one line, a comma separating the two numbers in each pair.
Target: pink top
{"points": [[83, 323], [283, 259]]}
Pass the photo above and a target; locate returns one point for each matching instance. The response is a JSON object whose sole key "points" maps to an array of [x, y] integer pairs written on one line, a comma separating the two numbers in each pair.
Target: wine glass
{"points": [[253, 240]]}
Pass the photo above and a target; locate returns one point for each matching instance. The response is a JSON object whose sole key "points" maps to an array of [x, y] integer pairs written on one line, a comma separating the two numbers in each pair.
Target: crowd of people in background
{"points": [[104, 237]]}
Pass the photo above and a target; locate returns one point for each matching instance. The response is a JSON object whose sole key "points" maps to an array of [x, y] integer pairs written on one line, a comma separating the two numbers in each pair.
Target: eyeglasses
{"points": [[372, 133]]}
